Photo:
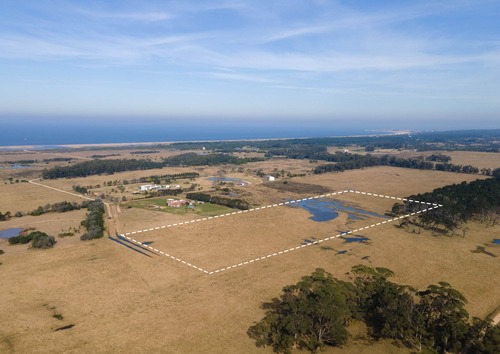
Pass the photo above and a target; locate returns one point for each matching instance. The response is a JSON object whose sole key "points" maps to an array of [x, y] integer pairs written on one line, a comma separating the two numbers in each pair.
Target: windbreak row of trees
{"points": [[29, 162], [346, 161], [194, 159], [60, 207], [227, 202], [97, 167], [478, 200], [438, 158], [94, 223], [316, 312]]}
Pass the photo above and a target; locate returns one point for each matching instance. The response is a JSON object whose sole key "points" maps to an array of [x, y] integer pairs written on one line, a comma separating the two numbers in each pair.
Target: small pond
{"points": [[20, 166], [356, 238], [10, 233], [328, 209], [497, 241]]}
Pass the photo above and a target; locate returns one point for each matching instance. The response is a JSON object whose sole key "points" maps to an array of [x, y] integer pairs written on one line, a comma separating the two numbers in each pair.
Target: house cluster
{"points": [[158, 187], [176, 203]]}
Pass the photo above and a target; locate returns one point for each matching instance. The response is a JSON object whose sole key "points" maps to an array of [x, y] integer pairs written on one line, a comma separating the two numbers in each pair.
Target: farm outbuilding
{"points": [[176, 203]]}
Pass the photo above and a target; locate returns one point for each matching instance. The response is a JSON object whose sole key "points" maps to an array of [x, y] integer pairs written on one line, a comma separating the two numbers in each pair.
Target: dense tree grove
{"points": [[61, 207], [96, 167], [438, 158], [42, 240], [5, 216], [316, 312], [94, 223], [227, 202], [194, 159], [80, 189], [38, 239], [478, 200], [346, 161]]}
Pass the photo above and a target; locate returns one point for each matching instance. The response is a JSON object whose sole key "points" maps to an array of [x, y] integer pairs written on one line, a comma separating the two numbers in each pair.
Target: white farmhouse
{"points": [[270, 178]]}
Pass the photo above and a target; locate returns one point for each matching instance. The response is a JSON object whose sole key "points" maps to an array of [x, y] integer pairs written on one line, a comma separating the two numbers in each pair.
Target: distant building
{"points": [[176, 203], [155, 187], [269, 178]]}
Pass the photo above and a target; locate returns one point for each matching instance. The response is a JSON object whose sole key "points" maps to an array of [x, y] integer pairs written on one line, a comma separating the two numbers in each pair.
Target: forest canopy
{"points": [[317, 311]]}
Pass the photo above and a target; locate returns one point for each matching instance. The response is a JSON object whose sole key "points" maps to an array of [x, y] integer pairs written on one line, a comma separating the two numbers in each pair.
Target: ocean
{"points": [[81, 132]]}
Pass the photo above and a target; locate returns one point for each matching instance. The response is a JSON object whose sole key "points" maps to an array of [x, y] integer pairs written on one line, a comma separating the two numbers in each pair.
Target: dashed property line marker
{"points": [[313, 243], [280, 204], [435, 206], [166, 254]]}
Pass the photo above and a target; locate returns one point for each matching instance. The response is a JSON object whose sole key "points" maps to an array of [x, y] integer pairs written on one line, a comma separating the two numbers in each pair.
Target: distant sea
{"points": [[64, 133]]}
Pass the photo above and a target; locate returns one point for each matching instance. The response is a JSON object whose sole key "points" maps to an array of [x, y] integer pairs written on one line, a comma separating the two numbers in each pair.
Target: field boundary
{"points": [[431, 206]]}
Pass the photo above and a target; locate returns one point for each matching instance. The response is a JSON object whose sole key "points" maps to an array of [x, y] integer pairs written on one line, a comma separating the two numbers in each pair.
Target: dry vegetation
{"points": [[119, 300]]}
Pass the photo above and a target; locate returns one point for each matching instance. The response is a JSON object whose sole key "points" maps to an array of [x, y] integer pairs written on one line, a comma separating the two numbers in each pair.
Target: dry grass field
{"points": [[26, 197], [113, 299]]}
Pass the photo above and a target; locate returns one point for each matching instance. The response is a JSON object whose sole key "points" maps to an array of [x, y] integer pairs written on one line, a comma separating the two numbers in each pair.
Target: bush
{"points": [[39, 240], [43, 241]]}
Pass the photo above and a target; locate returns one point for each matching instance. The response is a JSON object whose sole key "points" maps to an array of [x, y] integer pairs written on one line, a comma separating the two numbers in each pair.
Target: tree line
{"points": [[346, 161], [316, 312], [60, 207], [227, 202], [466, 140], [97, 167], [194, 159], [478, 200], [29, 162], [94, 223]]}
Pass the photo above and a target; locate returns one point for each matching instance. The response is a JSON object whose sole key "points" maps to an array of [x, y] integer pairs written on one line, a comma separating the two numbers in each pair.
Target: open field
{"points": [[123, 300], [220, 243], [26, 197], [119, 300], [50, 223]]}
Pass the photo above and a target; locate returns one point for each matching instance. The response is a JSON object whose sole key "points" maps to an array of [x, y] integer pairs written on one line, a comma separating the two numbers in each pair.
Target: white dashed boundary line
{"points": [[273, 254]]}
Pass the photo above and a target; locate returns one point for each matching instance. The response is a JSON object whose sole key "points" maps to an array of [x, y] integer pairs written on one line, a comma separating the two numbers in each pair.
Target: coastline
{"points": [[104, 145]]}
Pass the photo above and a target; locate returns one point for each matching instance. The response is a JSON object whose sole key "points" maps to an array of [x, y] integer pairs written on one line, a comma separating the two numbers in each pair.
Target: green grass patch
{"points": [[156, 204]]}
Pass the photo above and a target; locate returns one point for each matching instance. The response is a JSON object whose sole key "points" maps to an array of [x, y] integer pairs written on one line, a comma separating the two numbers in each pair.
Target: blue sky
{"points": [[312, 59]]}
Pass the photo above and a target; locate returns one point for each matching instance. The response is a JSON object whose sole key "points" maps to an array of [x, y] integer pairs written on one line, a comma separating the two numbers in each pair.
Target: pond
{"points": [[497, 241], [10, 233], [356, 238], [227, 179], [21, 166], [328, 209]]}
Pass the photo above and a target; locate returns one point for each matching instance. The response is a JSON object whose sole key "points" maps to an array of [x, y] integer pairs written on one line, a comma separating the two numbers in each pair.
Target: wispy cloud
{"points": [[134, 16], [239, 77], [416, 49], [297, 32]]}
